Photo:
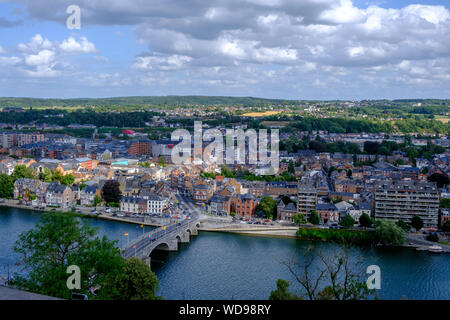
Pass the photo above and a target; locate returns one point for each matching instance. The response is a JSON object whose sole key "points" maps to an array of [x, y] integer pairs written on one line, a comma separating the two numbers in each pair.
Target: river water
{"points": [[230, 266]]}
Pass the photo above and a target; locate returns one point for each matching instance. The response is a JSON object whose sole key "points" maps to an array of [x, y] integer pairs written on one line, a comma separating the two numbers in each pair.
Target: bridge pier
{"points": [[148, 261], [184, 237]]}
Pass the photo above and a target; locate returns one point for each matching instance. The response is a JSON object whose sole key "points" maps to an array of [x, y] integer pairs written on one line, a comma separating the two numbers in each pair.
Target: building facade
{"points": [[404, 199]]}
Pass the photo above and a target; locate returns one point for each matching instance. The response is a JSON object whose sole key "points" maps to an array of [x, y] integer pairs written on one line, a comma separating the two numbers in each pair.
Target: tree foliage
{"points": [[22, 171], [446, 226], [6, 186], [111, 191], [299, 218], [417, 222], [58, 241], [314, 217], [365, 220], [402, 224], [347, 221], [268, 206], [389, 233], [441, 179], [135, 282], [282, 292]]}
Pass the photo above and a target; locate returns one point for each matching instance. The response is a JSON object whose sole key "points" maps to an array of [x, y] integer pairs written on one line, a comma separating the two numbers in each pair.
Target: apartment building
{"points": [[141, 147], [404, 199], [59, 195], [17, 139], [306, 198]]}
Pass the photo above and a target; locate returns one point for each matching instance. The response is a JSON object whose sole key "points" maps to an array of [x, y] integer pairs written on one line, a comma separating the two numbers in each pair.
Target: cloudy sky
{"points": [[294, 49]]}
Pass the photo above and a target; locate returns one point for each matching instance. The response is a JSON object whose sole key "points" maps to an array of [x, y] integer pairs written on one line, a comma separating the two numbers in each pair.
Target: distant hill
{"points": [[149, 100]]}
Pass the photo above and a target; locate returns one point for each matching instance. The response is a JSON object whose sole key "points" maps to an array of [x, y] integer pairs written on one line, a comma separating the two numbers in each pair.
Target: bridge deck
{"points": [[153, 238]]}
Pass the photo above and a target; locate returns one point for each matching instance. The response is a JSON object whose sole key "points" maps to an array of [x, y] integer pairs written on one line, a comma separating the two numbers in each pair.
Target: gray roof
{"points": [[326, 207]]}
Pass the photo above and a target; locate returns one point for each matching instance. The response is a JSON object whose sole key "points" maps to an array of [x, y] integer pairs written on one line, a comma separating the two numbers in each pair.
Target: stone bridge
{"points": [[164, 238]]}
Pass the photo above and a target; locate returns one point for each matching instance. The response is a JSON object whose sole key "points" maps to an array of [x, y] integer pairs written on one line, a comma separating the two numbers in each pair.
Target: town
{"points": [[328, 179]]}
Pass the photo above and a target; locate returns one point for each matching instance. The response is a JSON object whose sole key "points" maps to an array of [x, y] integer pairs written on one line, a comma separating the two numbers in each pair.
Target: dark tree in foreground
{"points": [[325, 277], [111, 191], [60, 240], [135, 282], [282, 292]]}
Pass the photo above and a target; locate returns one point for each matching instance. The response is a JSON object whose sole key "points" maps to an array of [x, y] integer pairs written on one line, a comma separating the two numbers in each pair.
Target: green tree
{"points": [[68, 180], [6, 186], [417, 222], [282, 292], [111, 191], [365, 220], [291, 168], [445, 203], [57, 175], [314, 217], [46, 175], [135, 282], [161, 162], [387, 232], [347, 221], [402, 224], [21, 171], [299, 218], [58, 241], [446, 226], [268, 206], [97, 200]]}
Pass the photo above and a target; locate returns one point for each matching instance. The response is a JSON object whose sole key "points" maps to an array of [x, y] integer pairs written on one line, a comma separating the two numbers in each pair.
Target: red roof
{"points": [[128, 131]]}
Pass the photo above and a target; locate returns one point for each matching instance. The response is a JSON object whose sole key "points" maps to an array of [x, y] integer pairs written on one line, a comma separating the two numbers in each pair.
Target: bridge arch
{"points": [[162, 246]]}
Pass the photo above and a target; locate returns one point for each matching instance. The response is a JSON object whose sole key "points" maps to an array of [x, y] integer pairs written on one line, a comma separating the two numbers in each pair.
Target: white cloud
{"points": [[172, 62], [432, 14], [73, 46], [343, 12], [44, 58], [263, 45], [2, 50]]}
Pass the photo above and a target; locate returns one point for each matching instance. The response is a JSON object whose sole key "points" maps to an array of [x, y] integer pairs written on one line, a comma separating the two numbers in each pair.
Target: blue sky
{"points": [[309, 49]]}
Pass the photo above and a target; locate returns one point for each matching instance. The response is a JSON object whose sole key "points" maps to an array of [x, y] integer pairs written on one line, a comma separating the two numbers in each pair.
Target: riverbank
{"points": [[271, 232], [10, 204], [209, 224]]}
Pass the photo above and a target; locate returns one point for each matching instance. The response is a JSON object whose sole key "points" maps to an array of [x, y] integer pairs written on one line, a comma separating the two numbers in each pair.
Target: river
{"points": [[230, 266]]}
